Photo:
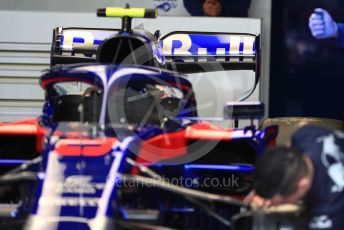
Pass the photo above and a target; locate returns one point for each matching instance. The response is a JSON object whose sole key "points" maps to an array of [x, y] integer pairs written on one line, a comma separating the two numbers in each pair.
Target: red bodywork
{"points": [[28, 127], [174, 144], [85, 147]]}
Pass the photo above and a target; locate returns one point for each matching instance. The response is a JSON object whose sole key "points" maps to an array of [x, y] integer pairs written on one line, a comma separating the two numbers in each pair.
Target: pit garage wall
{"points": [[27, 29]]}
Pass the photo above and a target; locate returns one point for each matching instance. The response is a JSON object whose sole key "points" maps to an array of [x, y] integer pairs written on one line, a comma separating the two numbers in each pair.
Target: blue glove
{"points": [[322, 25]]}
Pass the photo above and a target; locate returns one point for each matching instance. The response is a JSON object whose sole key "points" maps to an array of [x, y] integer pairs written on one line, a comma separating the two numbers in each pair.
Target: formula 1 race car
{"points": [[120, 144]]}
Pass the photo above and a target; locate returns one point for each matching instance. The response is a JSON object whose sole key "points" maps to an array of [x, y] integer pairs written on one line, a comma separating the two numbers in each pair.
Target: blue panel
{"points": [[210, 42], [12, 162], [78, 40], [238, 168]]}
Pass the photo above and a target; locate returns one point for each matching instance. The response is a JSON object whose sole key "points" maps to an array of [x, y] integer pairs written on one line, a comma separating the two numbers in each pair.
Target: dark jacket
{"points": [[340, 39], [325, 200]]}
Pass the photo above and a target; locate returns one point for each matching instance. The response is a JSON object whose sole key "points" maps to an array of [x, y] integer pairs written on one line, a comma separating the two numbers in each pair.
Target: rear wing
{"points": [[77, 45], [185, 52], [190, 52]]}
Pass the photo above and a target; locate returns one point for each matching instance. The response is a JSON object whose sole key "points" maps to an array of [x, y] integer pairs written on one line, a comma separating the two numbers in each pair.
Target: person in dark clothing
{"points": [[311, 170], [221, 8]]}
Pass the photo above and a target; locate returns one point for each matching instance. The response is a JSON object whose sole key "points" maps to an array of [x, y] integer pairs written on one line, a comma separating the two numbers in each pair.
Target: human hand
{"points": [[253, 199], [322, 25], [212, 7]]}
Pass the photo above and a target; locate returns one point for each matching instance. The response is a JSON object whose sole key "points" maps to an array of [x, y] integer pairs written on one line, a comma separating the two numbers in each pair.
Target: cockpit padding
{"points": [[68, 108], [80, 108]]}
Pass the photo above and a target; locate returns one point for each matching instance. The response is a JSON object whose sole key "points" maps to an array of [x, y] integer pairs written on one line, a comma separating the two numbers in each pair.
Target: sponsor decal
{"points": [[76, 185], [320, 222], [332, 158], [182, 44], [69, 201], [83, 37], [165, 5]]}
